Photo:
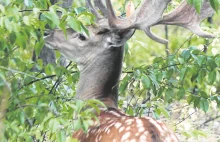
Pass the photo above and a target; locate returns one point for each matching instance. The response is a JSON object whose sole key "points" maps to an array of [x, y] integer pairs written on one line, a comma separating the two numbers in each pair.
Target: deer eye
{"points": [[82, 37]]}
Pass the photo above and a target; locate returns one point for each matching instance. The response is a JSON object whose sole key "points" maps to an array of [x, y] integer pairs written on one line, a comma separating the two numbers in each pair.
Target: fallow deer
{"points": [[99, 58]]}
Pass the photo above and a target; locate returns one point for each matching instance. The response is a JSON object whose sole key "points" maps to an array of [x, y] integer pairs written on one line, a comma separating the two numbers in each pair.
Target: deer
{"points": [[99, 58]]}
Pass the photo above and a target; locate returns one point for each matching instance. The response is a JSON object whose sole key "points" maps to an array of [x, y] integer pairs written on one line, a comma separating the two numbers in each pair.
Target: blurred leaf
{"points": [[204, 104], [197, 4], [180, 94], [73, 23], [186, 55], [146, 81], [54, 125], [211, 77], [202, 74], [124, 84], [169, 94], [211, 63], [62, 136], [183, 73], [28, 3], [215, 4]]}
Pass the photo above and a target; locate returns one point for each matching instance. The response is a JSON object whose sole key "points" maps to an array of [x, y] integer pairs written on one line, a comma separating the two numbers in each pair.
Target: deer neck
{"points": [[99, 77]]}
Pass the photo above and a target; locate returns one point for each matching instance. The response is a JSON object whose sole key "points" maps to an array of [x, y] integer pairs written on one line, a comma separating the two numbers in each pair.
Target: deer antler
{"points": [[150, 13], [187, 17]]}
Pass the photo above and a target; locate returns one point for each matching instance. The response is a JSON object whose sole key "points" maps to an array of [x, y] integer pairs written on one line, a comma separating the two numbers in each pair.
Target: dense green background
{"points": [[37, 94]]}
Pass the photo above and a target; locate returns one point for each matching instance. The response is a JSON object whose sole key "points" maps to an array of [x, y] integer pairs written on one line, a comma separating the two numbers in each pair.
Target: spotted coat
{"points": [[116, 126]]}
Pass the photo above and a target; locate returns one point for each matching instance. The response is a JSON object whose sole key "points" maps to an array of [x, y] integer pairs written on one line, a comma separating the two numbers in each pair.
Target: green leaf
{"points": [[28, 79], [159, 93], [59, 71], [62, 136], [20, 40], [180, 94], [124, 84], [204, 104], [157, 60], [201, 76], [12, 37], [38, 46], [146, 81], [154, 80], [196, 100], [54, 125], [52, 16], [186, 55], [80, 10], [73, 23], [183, 73], [211, 63], [22, 117], [49, 68], [197, 4], [181, 60], [203, 94], [164, 111], [28, 3], [77, 124], [169, 95], [217, 60], [190, 2], [215, 4], [26, 20], [170, 73], [201, 60], [211, 77]]}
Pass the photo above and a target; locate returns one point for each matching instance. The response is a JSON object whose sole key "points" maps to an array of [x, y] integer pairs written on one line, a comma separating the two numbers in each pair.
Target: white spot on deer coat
{"points": [[141, 129], [128, 128], [133, 140], [126, 136], [143, 137], [139, 122], [121, 129], [137, 134], [117, 125], [156, 125], [129, 121]]}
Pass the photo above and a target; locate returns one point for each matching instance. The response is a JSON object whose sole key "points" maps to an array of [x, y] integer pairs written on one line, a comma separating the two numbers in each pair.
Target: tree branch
{"points": [[209, 120], [185, 118]]}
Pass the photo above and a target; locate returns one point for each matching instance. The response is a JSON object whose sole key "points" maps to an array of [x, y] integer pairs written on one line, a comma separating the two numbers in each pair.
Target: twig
{"points": [[12, 70], [185, 118], [180, 107], [167, 38], [209, 120], [31, 10], [183, 44], [169, 66]]}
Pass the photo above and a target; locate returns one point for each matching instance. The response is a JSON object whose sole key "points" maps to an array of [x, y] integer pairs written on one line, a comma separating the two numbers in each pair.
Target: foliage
{"points": [[42, 104], [198, 4]]}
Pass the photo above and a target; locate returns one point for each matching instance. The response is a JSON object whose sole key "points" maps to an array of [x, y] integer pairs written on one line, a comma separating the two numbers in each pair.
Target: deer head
{"points": [[99, 57]]}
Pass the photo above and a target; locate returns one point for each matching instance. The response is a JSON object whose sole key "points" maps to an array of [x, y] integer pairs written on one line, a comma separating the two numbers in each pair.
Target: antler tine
{"points": [[102, 7], [187, 17], [92, 9], [147, 14]]}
